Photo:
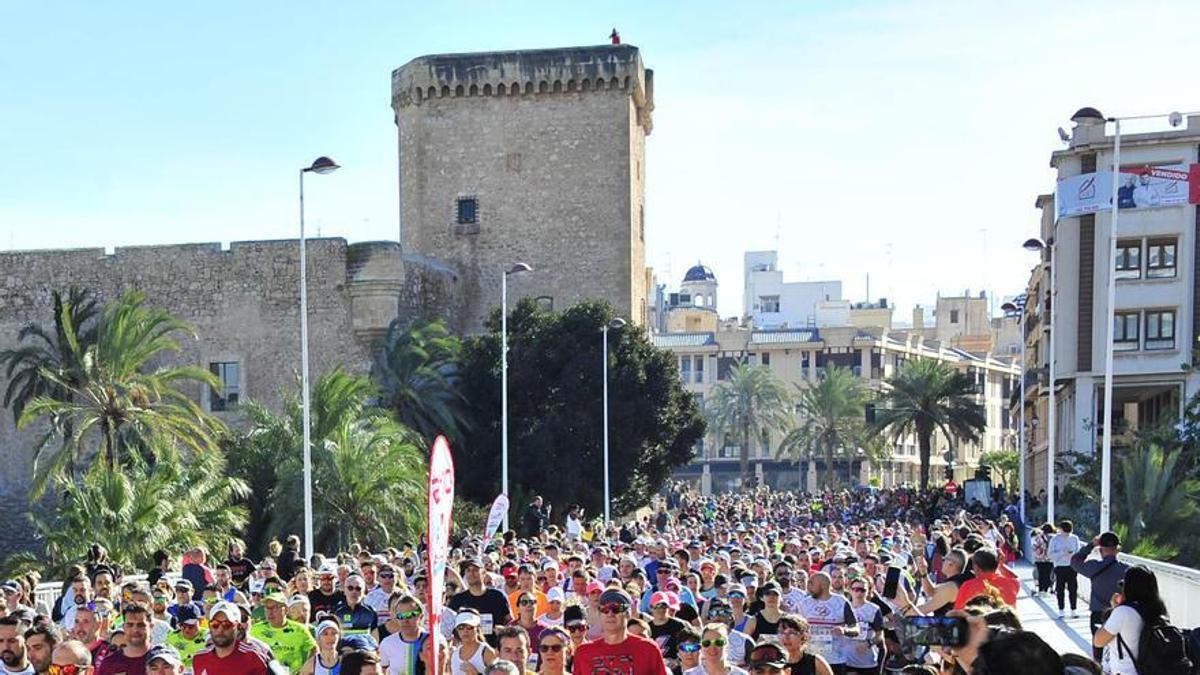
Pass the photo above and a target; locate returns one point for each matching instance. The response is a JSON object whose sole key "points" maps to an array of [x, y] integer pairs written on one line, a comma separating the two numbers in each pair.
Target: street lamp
{"points": [[616, 324], [1174, 119], [1019, 310], [1039, 245], [518, 268], [321, 165]]}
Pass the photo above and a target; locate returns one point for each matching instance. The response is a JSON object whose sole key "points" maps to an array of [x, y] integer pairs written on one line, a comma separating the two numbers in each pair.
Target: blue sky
{"points": [[902, 139]]}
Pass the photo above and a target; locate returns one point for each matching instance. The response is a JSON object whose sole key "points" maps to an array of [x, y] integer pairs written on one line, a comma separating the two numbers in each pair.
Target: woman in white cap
{"points": [[327, 660], [472, 656]]}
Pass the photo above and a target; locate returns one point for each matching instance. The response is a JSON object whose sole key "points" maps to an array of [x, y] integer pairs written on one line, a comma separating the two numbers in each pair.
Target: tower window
{"points": [[225, 396], [467, 210]]}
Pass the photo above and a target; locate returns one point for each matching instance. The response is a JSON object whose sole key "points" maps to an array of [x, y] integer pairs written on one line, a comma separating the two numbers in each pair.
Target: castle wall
{"points": [[550, 144], [243, 303]]}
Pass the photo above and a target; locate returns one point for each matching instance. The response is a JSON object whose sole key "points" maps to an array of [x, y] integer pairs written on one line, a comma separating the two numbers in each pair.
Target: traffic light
{"points": [[950, 471], [984, 472]]}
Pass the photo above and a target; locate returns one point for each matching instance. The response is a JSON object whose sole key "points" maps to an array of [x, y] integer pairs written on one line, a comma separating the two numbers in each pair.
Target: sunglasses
{"points": [[689, 647], [661, 605], [386, 575], [410, 614], [857, 589], [221, 625], [737, 596], [526, 603], [578, 628], [543, 648], [718, 642], [614, 608]]}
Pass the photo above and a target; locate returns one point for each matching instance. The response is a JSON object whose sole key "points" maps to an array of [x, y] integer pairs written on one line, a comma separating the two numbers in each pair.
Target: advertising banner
{"points": [[496, 516], [441, 506], [1146, 187]]}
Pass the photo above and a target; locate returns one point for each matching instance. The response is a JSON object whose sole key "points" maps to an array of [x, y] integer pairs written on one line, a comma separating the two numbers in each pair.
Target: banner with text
{"points": [[1147, 187], [441, 506]]}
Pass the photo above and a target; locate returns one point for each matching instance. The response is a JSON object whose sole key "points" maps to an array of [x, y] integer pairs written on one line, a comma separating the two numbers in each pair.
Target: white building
{"points": [[769, 302], [1156, 299]]}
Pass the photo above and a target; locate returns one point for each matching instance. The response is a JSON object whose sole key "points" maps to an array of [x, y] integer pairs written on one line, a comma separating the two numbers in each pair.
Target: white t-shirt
{"points": [[792, 600], [399, 656], [1125, 623], [699, 670]]}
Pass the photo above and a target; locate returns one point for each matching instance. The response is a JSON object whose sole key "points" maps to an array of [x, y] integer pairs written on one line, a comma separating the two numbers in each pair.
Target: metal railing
{"points": [[48, 592]]}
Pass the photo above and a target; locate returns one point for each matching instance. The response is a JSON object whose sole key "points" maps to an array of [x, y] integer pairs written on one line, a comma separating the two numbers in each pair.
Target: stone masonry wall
{"points": [[243, 303]]}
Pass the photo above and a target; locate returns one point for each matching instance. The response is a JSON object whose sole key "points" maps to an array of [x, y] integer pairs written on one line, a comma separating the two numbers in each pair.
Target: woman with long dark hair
{"points": [[1137, 603], [1040, 541]]}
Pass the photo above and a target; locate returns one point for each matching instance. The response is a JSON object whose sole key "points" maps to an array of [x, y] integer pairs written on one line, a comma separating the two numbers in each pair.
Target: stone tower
{"points": [[526, 156]]}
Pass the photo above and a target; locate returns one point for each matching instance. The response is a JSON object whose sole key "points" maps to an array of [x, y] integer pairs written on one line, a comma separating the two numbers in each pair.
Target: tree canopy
{"points": [[556, 414]]}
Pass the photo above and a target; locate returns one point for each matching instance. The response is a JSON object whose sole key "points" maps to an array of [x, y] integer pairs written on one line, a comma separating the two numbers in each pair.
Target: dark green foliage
{"points": [[556, 414]]}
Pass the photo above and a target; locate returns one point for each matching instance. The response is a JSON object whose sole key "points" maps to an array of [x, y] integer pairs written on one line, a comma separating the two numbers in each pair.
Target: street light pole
{"points": [[1013, 307], [1106, 448], [616, 323], [322, 165], [515, 269]]}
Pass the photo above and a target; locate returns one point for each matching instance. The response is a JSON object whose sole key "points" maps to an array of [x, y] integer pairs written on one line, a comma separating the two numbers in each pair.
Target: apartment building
{"points": [[1156, 292], [770, 302], [799, 357]]}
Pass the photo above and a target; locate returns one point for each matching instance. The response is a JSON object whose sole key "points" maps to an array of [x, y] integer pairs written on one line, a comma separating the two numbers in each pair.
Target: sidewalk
{"points": [[1040, 615]]}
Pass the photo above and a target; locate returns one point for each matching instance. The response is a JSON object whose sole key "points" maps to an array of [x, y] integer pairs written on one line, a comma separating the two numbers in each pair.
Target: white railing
{"points": [[49, 591], [1179, 587]]}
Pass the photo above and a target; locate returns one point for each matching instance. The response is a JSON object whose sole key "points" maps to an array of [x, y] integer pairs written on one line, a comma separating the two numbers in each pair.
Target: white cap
{"points": [[555, 595], [229, 609], [466, 619]]}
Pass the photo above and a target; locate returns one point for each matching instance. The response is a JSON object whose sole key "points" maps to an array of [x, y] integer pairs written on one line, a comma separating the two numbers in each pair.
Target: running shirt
{"points": [[187, 648], [292, 643], [791, 601], [823, 616], [244, 660], [861, 652], [633, 656], [401, 657]]}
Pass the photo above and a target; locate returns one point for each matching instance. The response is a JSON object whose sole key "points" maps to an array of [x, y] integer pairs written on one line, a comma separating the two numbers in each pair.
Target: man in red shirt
{"points": [[986, 564], [228, 654], [132, 659], [616, 651]]}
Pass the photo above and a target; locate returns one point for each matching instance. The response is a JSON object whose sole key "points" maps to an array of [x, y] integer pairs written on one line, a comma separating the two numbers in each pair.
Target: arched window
{"points": [[487, 89], [544, 303], [557, 86], [445, 91], [599, 84], [473, 91], [570, 85], [528, 87], [500, 90], [585, 85], [458, 91], [543, 87], [614, 83]]}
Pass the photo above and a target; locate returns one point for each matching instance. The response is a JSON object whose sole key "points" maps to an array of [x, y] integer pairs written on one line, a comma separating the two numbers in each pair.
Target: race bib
{"points": [[486, 623], [821, 641]]}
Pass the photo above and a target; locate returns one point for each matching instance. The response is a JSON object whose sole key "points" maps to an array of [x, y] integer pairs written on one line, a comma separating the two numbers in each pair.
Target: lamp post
{"points": [[1174, 119], [615, 324], [1019, 310], [518, 268], [320, 166], [1039, 245]]}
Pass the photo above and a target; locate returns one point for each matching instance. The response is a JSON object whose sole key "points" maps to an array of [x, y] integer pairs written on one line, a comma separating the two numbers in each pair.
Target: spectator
{"points": [[1062, 547]]}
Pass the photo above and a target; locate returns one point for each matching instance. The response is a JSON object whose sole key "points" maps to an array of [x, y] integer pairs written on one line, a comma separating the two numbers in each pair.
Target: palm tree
{"points": [[120, 403], [1160, 501], [830, 419], [56, 350], [172, 504], [926, 397], [368, 469], [417, 370], [750, 404]]}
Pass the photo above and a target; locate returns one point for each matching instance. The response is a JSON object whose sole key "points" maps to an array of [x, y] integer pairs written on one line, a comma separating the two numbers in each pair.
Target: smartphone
{"points": [[891, 582], [940, 631]]}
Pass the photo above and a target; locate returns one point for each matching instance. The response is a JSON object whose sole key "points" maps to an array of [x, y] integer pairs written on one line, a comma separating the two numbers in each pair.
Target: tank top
{"points": [[807, 665], [320, 668], [764, 627], [476, 660]]}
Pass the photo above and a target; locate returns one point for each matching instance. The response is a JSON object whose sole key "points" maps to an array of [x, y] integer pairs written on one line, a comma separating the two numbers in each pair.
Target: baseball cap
{"points": [[327, 570], [229, 609], [594, 587], [1107, 540], [555, 595], [663, 598], [276, 597], [359, 641], [183, 583], [327, 624], [11, 586], [770, 587], [166, 653], [615, 595], [767, 655], [187, 614], [735, 588], [297, 599], [466, 619]]}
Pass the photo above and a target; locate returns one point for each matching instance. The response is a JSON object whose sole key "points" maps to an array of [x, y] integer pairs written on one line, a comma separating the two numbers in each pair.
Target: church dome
{"points": [[699, 273]]}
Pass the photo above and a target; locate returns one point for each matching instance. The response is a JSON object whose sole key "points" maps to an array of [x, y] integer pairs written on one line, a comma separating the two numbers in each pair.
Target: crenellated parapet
{"points": [[527, 73]]}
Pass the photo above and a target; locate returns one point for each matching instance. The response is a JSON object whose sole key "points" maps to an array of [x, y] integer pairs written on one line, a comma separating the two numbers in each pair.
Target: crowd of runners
{"points": [[761, 581]]}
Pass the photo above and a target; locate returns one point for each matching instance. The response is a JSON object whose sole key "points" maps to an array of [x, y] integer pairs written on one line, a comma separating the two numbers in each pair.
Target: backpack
{"points": [[1162, 648]]}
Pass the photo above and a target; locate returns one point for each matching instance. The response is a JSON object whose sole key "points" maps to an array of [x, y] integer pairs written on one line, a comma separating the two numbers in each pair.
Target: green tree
{"points": [[417, 371], [749, 405], [173, 503], [926, 397], [830, 420], [1005, 462], [1159, 503], [369, 470], [56, 350], [556, 414], [124, 400]]}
